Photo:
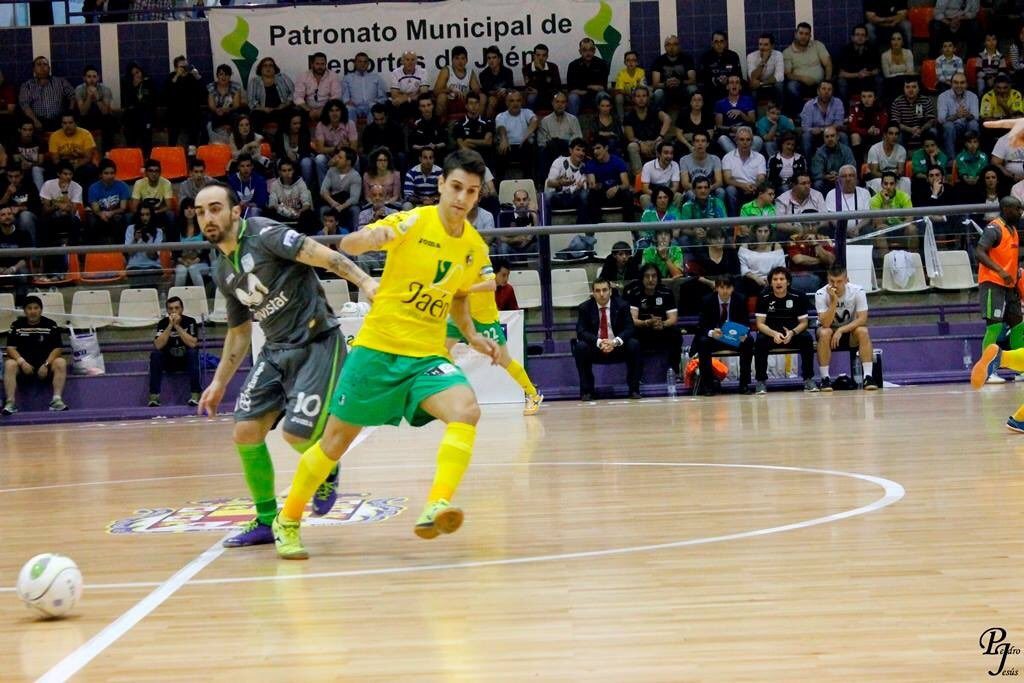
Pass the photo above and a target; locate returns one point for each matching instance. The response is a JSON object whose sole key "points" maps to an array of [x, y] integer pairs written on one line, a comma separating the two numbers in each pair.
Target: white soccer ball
{"points": [[349, 308], [50, 584]]}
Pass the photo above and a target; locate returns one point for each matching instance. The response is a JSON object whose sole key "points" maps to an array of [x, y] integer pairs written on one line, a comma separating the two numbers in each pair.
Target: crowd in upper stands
{"points": [[776, 132]]}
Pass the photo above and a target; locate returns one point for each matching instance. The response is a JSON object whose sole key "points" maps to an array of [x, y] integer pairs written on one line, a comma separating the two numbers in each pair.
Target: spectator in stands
{"points": [[703, 205], [362, 88], [891, 197], [225, 99], [515, 129], [43, 98], [843, 325], [743, 170], [315, 88], [496, 81], [766, 69], [1009, 159], [294, 143], [184, 97], [378, 208], [8, 102], [867, 123], [94, 103], [673, 75], [13, 269], [342, 188], [991, 63], [970, 162], [177, 350], [799, 199], [382, 172], [420, 186], [654, 312], [190, 264], [847, 196], [947, 65], [957, 113], [1002, 101], [786, 164], [474, 132], [929, 155], [717, 64], [270, 94], [76, 146], [808, 63], [885, 17], [454, 82], [29, 153], [427, 131], [245, 140], [607, 126], [522, 216], [714, 259], [662, 172], [692, 120], [196, 180], [771, 127], [605, 334], [732, 112], [290, 200], [504, 292], [859, 64], [566, 183], [154, 191], [660, 209], [620, 267], [143, 231], [935, 192], [721, 306], [628, 78], [541, 78], [829, 158], [138, 108], [757, 258], [820, 113], [887, 155], [481, 219], [62, 212], [897, 65], [586, 78], [557, 130], [782, 324], [20, 194], [914, 113], [665, 256], [108, 200], [763, 204], [408, 81], [809, 254], [608, 183], [34, 349], [334, 132], [699, 164], [953, 20], [250, 187]]}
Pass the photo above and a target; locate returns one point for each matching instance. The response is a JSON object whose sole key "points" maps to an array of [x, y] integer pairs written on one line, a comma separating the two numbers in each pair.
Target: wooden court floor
{"points": [[793, 537]]}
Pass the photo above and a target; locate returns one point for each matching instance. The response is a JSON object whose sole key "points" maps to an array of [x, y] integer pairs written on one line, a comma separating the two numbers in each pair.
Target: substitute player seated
{"points": [[843, 325]]}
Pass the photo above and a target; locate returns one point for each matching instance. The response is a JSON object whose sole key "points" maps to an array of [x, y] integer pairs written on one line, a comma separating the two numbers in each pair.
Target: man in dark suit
{"points": [[724, 305], [605, 334]]}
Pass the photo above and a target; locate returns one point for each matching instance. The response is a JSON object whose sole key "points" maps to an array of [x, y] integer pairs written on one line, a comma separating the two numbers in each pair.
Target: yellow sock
{"points": [[1019, 415], [314, 466], [517, 372], [452, 460], [1013, 360]]}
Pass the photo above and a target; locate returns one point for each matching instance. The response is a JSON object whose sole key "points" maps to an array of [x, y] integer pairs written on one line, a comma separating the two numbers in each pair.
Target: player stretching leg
{"points": [[484, 311], [399, 367], [266, 274]]}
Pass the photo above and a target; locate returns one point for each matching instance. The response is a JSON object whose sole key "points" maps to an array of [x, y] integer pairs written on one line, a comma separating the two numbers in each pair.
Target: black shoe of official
{"points": [[870, 384], [826, 384]]}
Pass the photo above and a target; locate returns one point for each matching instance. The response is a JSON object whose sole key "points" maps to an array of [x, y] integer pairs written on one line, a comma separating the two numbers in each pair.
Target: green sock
{"points": [[259, 475], [1017, 336], [992, 333]]}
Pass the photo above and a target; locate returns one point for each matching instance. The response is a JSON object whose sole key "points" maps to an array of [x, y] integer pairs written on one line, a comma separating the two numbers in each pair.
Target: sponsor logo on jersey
{"points": [[224, 514], [248, 263], [249, 290], [271, 307], [429, 243], [442, 271]]}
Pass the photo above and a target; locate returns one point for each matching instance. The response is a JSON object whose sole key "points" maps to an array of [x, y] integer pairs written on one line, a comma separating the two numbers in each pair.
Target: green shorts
{"points": [[378, 388], [493, 331]]}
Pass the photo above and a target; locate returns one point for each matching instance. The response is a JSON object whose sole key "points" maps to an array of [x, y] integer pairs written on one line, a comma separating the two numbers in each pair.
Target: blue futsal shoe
{"points": [[1014, 425], [323, 499], [254, 532]]}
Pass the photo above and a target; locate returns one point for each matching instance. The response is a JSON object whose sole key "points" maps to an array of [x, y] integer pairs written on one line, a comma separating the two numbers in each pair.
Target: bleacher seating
{"points": [[527, 287], [91, 308], [129, 163], [957, 271], [569, 287], [53, 305], [194, 300], [917, 282], [7, 311], [138, 308]]}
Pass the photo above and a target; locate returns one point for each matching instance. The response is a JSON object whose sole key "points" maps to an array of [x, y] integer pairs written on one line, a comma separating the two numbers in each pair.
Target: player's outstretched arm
{"points": [[312, 253], [363, 240], [236, 346], [484, 286], [1016, 127]]}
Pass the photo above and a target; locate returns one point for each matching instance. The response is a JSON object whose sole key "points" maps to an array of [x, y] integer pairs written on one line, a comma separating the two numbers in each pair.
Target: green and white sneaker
{"points": [[288, 540], [10, 408], [58, 405], [439, 517]]}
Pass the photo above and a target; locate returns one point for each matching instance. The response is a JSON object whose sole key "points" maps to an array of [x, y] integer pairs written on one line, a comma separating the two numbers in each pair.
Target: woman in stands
{"points": [[244, 140], [785, 164], [382, 172], [270, 95], [138, 108], [607, 128], [659, 211], [190, 264], [757, 258], [897, 64], [333, 132], [226, 100], [295, 144], [690, 120]]}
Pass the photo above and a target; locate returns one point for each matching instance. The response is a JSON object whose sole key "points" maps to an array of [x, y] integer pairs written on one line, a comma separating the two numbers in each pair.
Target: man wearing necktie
{"points": [[718, 308], [605, 334]]}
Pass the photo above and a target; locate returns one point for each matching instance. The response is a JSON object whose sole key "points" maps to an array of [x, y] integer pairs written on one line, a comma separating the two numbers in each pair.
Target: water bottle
{"points": [[968, 359], [858, 372], [670, 382]]}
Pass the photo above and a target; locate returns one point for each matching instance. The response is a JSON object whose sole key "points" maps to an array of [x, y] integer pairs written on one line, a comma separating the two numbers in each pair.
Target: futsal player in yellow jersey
{"points": [[399, 367], [486, 320]]}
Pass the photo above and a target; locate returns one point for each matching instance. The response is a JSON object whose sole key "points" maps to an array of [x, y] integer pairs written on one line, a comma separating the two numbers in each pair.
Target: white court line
{"points": [[80, 657], [894, 492]]}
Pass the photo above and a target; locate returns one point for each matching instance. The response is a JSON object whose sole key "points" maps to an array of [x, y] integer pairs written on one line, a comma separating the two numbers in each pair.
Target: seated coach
{"points": [[605, 334]]}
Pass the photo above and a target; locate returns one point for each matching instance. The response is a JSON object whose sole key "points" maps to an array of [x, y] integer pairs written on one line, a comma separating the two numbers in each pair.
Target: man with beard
{"points": [[267, 274]]}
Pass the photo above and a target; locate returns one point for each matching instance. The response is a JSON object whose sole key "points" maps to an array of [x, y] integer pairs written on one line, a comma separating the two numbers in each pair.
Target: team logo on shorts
{"points": [[225, 514]]}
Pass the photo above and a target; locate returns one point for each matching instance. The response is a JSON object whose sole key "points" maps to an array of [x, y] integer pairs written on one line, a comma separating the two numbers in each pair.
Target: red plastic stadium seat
{"points": [[129, 162]]}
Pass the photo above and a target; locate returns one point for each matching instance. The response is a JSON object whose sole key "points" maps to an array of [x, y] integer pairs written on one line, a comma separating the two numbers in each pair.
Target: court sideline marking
{"points": [[85, 653]]}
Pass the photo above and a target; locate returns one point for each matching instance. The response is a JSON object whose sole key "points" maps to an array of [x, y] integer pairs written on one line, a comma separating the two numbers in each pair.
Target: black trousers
{"points": [[668, 340], [598, 198], [587, 355], [802, 342], [160, 362], [704, 346]]}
